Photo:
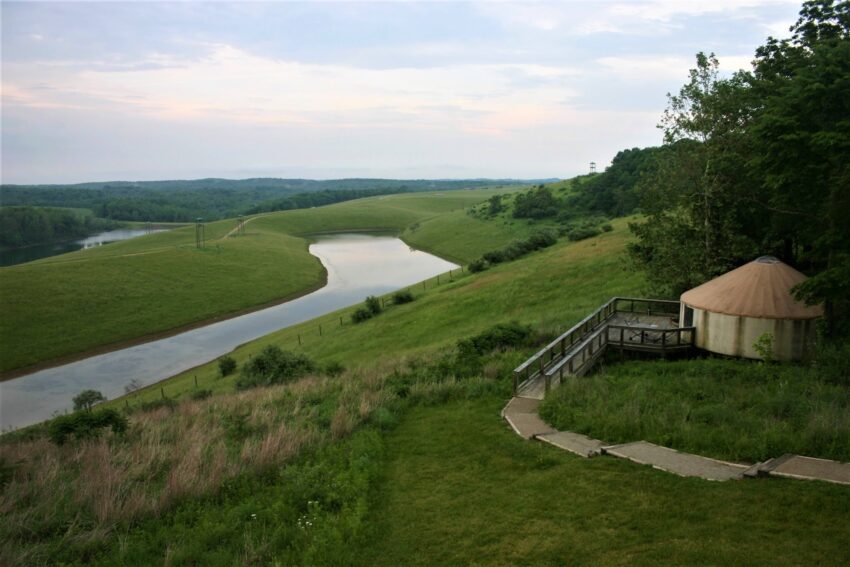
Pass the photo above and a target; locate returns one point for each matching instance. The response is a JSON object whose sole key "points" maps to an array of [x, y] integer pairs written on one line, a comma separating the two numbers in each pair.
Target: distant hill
{"points": [[213, 198]]}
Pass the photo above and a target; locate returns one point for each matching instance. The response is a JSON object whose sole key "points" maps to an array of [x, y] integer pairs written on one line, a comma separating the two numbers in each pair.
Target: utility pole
{"points": [[593, 167], [199, 233]]}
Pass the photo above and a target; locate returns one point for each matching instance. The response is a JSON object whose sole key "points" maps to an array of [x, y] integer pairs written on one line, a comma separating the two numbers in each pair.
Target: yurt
{"points": [[732, 311]]}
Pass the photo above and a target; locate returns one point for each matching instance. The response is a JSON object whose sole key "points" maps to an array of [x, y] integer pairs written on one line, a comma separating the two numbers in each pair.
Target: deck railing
{"points": [[545, 357], [594, 333]]}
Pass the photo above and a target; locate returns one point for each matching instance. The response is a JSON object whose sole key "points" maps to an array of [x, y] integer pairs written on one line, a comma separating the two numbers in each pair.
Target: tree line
{"points": [[758, 163], [26, 226]]}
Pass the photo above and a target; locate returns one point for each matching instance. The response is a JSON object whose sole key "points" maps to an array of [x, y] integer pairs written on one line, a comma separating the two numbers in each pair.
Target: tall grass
{"points": [[727, 409], [64, 502]]}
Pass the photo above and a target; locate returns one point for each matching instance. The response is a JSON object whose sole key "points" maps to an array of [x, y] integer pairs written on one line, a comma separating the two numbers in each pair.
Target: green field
{"points": [[399, 460], [550, 289], [461, 488], [79, 302]]}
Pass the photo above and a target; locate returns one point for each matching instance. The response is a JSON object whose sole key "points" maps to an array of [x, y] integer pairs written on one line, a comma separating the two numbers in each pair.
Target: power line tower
{"points": [[199, 233], [593, 167], [240, 226]]}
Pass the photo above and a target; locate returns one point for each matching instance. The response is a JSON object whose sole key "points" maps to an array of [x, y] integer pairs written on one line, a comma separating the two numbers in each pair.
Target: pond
{"points": [[31, 253], [358, 265]]}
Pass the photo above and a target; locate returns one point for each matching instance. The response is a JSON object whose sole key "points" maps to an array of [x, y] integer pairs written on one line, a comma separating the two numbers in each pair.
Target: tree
{"points": [[802, 131], [699, 222], [86, 399]]}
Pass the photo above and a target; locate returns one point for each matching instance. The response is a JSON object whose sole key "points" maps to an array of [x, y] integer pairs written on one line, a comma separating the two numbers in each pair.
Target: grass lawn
{"points": [[52, 309], [727, 409], [460, 488], [75, 303]]}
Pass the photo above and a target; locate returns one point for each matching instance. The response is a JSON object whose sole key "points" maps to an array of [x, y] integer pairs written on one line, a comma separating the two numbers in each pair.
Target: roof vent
{"points": [[767, 260]]}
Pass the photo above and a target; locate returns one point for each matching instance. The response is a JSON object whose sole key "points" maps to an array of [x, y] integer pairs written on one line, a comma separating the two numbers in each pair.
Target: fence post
{"points": [[162, 391], [320, 330], [340, 320], [299, 339], [196, 380]]}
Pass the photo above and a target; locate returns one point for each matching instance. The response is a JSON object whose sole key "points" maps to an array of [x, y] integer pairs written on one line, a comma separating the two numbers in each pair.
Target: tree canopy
{"points": [[758, 163]]}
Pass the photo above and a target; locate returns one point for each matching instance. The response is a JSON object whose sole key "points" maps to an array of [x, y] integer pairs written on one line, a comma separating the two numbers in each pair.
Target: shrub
{"points": [[158, 403], [582, 232], [85, 424], [373, 304], [86, 399], [607, 227], [478, 265], [226, 365], [198, 395], [403, 296], [361, 314], [494, 257], [333, 368], [273, 366]]}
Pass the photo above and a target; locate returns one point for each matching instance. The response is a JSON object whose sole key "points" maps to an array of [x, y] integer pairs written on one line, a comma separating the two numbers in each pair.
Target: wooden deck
{"points": [[628, 324]]}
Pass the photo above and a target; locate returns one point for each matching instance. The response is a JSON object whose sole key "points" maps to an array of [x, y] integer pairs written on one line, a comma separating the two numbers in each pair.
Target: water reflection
{"points": [[39, 251], [358, 265]]}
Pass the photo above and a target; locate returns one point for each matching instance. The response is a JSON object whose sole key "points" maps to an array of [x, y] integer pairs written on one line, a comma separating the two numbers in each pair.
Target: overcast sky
{"points": [[153, 90]]}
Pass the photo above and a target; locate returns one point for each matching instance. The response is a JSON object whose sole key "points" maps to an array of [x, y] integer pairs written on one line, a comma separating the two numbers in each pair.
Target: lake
{"points": [[358, 265], [39, 251]]}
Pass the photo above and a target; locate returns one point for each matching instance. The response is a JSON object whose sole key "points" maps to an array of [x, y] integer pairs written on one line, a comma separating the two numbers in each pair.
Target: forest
{"points": [[213, 199], [26, 226]]}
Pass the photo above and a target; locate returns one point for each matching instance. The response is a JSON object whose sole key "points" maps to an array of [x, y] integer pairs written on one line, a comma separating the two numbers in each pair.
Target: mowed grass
{"points": [[549, 289], [79, 302], [52, 309], [727, 409], [460, 488]]}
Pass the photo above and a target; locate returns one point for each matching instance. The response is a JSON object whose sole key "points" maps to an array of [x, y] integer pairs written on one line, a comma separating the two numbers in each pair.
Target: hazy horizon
{"points": [[397, 90]]}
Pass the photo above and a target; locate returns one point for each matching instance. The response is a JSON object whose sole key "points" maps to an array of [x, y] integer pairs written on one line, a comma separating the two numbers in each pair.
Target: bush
{"points": [[361, 314], [151, 405], [831, 362], [403, 296], [86, 399], [333, 368], [607, 227], [582, 232], [226, 365], [478, 265], [494, 257], [199, 395], [373, 304], [273, 366], [85, 424]]}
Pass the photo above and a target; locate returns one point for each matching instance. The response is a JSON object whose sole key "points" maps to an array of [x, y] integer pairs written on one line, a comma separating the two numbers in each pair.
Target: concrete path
{"points": [[577, 443], [670, 460], [807, 468], [521, 414]]}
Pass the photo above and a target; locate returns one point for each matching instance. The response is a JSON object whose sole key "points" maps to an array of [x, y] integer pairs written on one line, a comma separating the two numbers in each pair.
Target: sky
{"points": [[96, 91]]}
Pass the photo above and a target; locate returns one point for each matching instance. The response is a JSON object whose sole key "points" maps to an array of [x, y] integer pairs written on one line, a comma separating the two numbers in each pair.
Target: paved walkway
{"points": [[522, 415]]}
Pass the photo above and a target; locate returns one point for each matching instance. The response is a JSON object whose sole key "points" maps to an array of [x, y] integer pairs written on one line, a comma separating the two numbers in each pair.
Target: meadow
{"points": [[398, 455], [732, 410], [83, 302]]}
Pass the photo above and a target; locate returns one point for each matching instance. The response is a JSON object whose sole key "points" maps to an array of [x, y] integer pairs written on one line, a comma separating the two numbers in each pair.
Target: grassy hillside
{"points": [[81, 301], [402, 458], [550, 289]]}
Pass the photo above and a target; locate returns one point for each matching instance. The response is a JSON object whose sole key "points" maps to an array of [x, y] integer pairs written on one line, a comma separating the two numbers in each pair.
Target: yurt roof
{"points": [[761, 289]]}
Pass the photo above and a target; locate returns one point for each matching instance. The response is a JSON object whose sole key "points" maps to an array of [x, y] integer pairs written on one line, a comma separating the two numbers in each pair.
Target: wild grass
{"points": [[67, 502], [727, 409]]}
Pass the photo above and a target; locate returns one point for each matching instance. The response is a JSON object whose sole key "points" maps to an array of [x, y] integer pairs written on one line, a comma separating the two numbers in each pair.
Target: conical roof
{"points": [[761, 288]]}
